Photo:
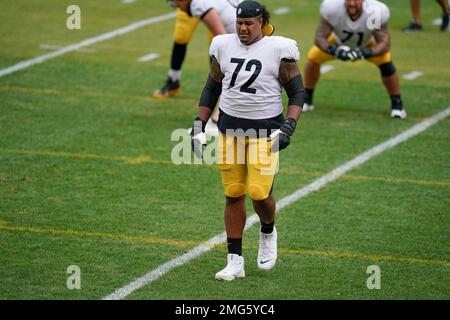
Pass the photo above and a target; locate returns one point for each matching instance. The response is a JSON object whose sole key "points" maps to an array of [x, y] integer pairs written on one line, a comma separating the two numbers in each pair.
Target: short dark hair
{"points": [[265, 15]]}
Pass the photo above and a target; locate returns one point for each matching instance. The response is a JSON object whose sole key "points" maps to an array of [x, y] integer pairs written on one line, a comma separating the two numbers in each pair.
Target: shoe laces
{"points": [[231, 266], [266, 248]]}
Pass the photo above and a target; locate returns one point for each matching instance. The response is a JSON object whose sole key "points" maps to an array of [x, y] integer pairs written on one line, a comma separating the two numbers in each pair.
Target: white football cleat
{"points": [[233, 270], [400, 114], [307, 107], [267, 253]]}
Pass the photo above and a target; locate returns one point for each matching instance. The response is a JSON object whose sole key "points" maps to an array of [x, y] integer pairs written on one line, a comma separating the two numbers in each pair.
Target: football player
{"points": [[218, 15], [348, 31], [249, 71], [184, 29]]}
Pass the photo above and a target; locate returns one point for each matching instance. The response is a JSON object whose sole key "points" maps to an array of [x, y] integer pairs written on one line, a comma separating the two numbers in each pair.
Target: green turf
{"points": [[86, 178]]}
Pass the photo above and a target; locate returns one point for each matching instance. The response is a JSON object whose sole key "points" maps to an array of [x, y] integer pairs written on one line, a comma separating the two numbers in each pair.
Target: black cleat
{"points": [[413, 27], [445, 21], [171, 88]]}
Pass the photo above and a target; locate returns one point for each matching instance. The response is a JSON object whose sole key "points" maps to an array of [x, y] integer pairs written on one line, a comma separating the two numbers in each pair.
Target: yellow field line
{"points": [[334, 254], [102, 235], [144, 159], [89, 93], [435, 183], [188, 244], [399, 181], [85, 93], [81, 155], [191, 101]]}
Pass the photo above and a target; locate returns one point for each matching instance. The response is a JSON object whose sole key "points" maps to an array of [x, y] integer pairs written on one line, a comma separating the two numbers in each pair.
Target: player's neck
{"points": [[255, 41], [356, 16]]}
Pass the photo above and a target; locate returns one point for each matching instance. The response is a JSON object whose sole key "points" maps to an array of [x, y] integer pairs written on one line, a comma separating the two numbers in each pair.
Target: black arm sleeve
{"points": [[295, 91], [211, 93]]}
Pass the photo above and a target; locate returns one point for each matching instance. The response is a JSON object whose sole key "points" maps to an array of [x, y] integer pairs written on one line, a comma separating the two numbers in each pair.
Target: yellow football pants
{"points": [[184, 27], [319, 56], [247, 166]]}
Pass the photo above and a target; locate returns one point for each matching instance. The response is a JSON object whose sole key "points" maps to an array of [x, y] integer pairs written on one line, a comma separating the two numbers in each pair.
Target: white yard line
{"points": [[90, 41], [286, 201], [326, 68], [149, 57], [281, 11], [413, 75], [127, 1], [55, 47]]}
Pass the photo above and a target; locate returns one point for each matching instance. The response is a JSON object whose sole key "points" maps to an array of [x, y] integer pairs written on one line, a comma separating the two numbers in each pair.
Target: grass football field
{"points": [[86, 176]]}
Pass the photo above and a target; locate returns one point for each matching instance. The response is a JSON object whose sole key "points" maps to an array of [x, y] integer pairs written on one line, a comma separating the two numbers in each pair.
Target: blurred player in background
{"points": [[184, 29], [352, 30], [218, 15], [416, 23]]}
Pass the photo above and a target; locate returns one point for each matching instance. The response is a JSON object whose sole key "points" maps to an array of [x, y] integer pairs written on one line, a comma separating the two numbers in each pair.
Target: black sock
{"points": [[178, 54], [267, 228], [396, 102], [235, 245], [309, 96]]}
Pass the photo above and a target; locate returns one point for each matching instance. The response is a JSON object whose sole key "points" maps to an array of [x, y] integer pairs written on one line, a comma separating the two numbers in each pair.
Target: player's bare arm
{"points": [[383, 40], [323, 32], [290, 78], [211, 91], [288, 70], [214, 23], [215, 71]]}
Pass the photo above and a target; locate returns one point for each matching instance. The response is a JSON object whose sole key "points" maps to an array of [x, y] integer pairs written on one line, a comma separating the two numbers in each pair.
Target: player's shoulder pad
{"points": [[199, 7], [385, 13], [375, 7], [328, 8], [286, 47], [219, 42], [234, 3]]}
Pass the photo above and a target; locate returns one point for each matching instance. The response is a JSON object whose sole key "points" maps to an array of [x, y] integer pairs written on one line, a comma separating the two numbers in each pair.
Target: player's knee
{"points": [[235, 190], [257, 193], [387, 69]]}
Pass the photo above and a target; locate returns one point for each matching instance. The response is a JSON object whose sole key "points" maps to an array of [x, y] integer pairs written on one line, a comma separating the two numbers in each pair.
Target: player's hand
{"points": [[339, 52], [282, 137], [198, 137], [359, 54], [342, 53]]}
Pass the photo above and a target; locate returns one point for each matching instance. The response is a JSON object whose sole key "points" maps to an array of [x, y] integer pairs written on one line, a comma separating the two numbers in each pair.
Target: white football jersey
{"points": [[354, 33], [250, 88], [225, 8]]}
